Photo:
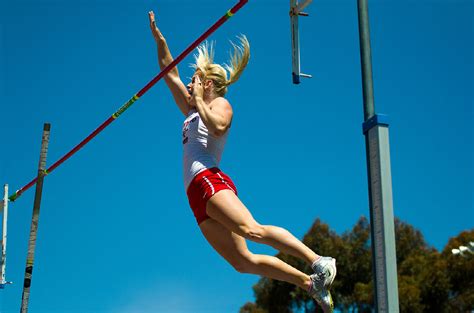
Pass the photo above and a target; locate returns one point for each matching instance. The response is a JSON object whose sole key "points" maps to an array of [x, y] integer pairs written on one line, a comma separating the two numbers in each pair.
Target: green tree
{"points": [[250, 307], [354, 269], [423, 284]]}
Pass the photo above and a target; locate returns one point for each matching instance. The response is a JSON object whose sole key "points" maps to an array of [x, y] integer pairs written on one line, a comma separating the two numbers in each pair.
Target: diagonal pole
{"points": [[34, 221], [135, 97]]}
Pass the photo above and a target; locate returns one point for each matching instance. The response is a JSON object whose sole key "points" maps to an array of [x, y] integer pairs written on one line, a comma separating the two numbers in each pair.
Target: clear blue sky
{"points": [[116, 233]]}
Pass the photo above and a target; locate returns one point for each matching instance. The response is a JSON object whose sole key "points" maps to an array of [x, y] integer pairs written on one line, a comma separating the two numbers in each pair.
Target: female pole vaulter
{"points": [[223, 219]]}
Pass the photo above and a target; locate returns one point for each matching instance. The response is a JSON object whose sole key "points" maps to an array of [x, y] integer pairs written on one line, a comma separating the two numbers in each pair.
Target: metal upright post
{"points": [[375, 129], [3, 263], [34, 222], [295, 11], [366, 60]]}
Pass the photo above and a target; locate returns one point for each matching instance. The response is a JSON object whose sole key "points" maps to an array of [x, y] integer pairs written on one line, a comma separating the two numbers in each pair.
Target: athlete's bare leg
{"points": [[233, 248], [226, 208]]}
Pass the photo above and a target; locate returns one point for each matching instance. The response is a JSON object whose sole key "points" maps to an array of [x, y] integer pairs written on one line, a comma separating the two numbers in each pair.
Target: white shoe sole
{"points": [[328, 285]]}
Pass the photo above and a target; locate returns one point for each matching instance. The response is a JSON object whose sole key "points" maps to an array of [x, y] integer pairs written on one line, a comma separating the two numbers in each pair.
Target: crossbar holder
{"points": [[295, 12]]}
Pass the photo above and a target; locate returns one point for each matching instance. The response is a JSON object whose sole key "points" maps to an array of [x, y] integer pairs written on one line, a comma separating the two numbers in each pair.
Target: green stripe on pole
{"points": [[13, 197], [125, 106]]}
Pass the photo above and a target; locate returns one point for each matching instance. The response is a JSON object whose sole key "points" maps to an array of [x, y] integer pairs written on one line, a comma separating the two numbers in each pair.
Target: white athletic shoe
{"points": [[321, 294], [325, 269]]}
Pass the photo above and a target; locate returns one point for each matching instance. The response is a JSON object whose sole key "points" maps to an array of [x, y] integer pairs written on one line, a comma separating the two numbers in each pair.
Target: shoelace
{"points": [[318, 279]]}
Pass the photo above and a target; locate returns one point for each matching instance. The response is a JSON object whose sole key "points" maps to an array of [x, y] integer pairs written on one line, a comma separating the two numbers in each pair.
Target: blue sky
{"points": [[116, 234]]}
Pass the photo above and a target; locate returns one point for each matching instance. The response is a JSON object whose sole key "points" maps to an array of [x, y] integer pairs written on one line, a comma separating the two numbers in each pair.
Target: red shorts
{"points": [[203, 186]]}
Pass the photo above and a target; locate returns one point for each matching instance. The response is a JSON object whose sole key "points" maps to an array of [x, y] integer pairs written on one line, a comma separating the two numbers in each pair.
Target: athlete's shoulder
{"points": [[221, 100], [221, 103]]}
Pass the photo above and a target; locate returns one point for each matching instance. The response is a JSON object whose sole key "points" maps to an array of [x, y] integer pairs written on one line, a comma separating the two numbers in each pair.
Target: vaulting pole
{"points": [[132, 100], [34, 221]]}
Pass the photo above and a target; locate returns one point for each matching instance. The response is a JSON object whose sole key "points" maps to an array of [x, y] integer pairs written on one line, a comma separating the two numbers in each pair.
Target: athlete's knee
{"points": [[253, 231], [245, 263]]}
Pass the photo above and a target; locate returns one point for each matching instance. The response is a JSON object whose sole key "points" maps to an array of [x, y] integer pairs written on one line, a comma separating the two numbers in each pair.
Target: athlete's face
{"points": [[197, 82], [193, 81]]}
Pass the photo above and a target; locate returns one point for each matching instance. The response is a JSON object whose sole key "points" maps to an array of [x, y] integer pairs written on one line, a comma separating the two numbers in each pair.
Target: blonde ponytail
{"points": [[204, 63], [238, 60]]}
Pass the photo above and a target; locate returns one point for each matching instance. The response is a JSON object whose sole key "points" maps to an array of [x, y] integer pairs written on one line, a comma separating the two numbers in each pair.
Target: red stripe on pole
{"points": [[216, 25]]}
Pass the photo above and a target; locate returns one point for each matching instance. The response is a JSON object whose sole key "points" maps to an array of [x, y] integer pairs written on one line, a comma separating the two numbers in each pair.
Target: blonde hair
{"points": [[217, 73]]}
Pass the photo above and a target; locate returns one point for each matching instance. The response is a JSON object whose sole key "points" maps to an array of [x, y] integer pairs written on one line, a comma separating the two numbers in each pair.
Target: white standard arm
{"points": [[4, 238]]}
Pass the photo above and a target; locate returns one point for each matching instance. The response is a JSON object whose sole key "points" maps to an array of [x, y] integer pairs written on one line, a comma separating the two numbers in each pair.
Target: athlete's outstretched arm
{"points": [[178, 89]]}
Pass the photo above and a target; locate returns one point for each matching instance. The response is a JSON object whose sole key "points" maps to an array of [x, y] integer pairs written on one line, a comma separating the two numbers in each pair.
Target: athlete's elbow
{"points": [[218, 133], [220, 130]]}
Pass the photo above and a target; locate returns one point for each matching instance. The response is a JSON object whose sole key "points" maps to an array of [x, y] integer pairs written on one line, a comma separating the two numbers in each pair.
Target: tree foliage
{"points": [[460, 272], [428, 281]]}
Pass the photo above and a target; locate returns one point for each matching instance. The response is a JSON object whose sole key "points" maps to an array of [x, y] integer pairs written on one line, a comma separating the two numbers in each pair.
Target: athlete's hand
{"points": [[198, 91], [154, 29]]}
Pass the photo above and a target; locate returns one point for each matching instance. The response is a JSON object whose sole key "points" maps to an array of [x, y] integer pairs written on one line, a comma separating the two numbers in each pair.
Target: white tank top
{"points": [[201, 150]]}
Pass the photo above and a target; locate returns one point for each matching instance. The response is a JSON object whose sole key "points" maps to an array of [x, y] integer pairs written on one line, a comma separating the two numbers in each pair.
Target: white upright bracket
{"points": [[295, 11], [3, 264]]}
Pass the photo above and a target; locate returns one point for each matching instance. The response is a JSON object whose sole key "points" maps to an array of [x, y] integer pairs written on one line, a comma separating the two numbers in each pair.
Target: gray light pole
{"points": [[375, 129]]}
